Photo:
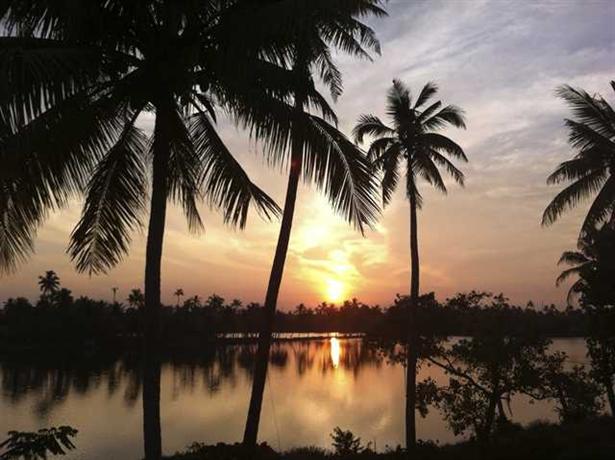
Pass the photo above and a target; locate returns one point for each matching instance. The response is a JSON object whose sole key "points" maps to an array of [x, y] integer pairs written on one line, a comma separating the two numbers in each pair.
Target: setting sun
{"points": [[334, 290]]}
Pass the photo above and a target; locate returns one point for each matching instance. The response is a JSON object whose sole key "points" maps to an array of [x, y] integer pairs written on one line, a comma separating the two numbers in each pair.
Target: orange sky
{"points": [[501, 64]]}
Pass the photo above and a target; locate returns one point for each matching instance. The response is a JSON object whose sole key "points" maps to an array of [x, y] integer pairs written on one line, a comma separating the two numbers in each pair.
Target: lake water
{"points": [[313, 386]]}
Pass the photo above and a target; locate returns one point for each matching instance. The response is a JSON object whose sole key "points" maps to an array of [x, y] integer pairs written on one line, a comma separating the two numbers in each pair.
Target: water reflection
{"points": [[313, 387], [335, 352]]}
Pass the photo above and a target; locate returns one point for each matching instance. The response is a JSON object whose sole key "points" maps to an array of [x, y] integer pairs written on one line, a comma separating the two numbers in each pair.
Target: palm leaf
{"points": [[572, 194], [342, 171], [225, 183], [428, 91], [370, 125], [113, 207]]}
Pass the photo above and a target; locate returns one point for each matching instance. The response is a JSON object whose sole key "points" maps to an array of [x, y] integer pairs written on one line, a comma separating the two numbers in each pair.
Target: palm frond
{"points": [[602, 208], [184, 167], [572, 194], [572, 258], [370, 125], [574, 169], [378, 148], [588, 110], [424, 166], [225, 183], [451, 169], [19, 218], [399, 100], [428, 91], [342, 171], [438, 142], [114, 205], [390, 166], [588, 140], [564, 275], [329, 73], [449, 115]]}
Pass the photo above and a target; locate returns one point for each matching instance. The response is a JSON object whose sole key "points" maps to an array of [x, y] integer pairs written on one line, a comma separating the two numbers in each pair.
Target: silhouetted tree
{"points": [[413, 138], [136, 299], [593, 265], [311, 146], [577, 395], [179, 293], [591, 171], [76, 123], [49, 283]]}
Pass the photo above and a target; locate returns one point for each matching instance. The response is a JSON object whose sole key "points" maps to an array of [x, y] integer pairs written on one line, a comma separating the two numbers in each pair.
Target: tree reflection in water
{"points": [[50, 380]]}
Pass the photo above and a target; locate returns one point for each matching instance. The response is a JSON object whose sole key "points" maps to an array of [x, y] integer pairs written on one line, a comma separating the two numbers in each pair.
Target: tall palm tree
{"points": [[49, 283], [310, 145], [75, 77], [179, 293], [592, 170], [413, 137]]}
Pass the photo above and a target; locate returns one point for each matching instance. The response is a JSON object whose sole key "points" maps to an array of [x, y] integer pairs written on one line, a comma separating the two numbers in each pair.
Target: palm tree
{"points": [[594, 266], [72, 129], [136, 299], [49, 283], [413, 137], [178, 293], [310, 145], [592, 170]]}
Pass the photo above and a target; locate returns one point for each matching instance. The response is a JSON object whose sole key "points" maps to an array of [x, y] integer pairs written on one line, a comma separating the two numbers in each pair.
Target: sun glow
{"points": [[334, 290]]}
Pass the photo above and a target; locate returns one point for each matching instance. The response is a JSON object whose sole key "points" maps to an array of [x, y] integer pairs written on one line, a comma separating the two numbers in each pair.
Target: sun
{"points": [[334, 290]]}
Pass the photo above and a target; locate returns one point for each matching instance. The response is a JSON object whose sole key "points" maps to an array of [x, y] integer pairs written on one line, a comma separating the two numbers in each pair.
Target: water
{"points": [[313, 387]]}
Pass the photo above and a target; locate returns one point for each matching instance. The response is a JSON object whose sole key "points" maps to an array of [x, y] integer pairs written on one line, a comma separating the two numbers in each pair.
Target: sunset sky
{"points": [[500, 61]]}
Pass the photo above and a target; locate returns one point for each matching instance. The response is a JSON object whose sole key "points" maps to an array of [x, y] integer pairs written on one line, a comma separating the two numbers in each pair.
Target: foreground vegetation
{"points": [[590, 440]]}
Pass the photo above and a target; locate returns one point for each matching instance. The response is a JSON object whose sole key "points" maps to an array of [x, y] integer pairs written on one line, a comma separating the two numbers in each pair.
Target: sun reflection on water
{"points": [[335, 351]]}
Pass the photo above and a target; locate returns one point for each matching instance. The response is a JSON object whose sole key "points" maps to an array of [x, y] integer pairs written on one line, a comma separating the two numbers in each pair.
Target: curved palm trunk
{"points": [[412, 332], [271, 299], [151, 367]]}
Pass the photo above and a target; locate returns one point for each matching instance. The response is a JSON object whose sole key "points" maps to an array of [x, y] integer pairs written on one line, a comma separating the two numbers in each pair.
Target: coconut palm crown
{"points": [[413, 137], [592, 170]]}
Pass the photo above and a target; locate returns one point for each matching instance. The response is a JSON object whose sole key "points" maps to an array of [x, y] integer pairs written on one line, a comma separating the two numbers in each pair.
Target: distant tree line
{"points": [[59, 318]]}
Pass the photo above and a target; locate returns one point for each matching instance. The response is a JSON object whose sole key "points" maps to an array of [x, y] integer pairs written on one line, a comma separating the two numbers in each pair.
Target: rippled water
{"points": [[313, 387]]}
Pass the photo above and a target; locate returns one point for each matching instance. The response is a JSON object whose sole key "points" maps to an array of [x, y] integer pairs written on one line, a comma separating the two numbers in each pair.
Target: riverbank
{"points": [[589, 440]]}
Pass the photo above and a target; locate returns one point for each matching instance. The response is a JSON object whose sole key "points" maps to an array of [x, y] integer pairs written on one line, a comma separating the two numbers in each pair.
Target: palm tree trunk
{"points": [[271, 299], [151, 371], [412, 332], [250, 435]]}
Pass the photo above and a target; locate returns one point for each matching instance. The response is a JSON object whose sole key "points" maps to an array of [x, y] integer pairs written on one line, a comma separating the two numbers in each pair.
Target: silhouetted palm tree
{"points": [[72, 128], [310, 145], [136, 299], [594, 266], [413, 138], [179, 294], [592, 170], [49, 283]]}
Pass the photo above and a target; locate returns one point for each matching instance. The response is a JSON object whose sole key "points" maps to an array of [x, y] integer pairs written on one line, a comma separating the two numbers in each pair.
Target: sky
{"points": [[500, 61]]}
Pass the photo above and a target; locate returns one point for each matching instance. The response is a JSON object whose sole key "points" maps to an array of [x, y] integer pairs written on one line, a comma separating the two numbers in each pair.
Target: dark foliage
{"points": [[33, 446]]}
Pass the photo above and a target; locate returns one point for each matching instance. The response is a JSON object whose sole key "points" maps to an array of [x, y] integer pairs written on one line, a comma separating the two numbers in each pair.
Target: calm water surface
{"points": [[313, 387]]}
